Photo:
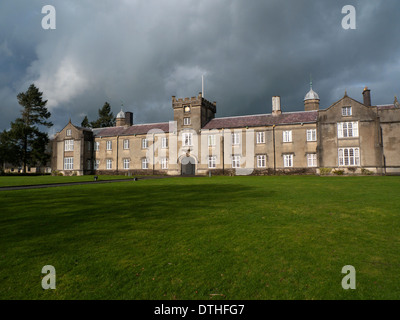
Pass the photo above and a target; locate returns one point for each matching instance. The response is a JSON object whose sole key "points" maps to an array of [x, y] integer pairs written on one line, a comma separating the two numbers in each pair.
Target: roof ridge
{"points": [[146, 124], [264, 114]]}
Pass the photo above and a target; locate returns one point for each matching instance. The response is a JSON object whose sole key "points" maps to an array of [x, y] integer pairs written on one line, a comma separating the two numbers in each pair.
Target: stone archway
{"points": [[188, 166]]}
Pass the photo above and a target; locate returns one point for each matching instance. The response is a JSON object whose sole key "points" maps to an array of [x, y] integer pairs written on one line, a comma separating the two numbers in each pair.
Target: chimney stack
{"points": [[367, 97], [129, 118], [276, 106]]}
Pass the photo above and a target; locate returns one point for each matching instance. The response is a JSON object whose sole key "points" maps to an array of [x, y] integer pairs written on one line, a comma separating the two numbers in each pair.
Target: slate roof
{"points": [[83, 129], [217, 123], [263, 120], [387, 107], [127, 131]]}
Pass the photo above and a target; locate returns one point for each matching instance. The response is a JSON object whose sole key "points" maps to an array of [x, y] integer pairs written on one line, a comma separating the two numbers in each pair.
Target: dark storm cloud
{"points": [[143, 52]]}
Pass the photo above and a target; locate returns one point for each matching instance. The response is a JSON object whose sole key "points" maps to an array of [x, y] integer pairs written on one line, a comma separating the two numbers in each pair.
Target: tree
{"points": [[25, 134], [106, 117], [85, 123], [9, 152]]}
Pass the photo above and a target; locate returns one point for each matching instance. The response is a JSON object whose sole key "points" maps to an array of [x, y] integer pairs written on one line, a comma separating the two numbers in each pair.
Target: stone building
{"points": [[349, 136]]}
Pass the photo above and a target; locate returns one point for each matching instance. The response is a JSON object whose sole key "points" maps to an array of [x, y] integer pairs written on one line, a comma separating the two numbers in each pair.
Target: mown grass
{"points": [[204, 238], [10, 181]]}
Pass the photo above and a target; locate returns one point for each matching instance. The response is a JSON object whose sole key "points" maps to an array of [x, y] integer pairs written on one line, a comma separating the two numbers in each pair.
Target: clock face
{"points": [[187, 109]]}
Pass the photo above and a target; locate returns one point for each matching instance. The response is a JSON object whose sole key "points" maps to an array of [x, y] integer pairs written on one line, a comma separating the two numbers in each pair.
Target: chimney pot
{"points": [[276, 105], [367, 97]]}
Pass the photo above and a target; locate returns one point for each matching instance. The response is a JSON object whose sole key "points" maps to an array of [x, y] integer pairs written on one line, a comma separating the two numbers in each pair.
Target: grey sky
{"points": [[142, 52]]}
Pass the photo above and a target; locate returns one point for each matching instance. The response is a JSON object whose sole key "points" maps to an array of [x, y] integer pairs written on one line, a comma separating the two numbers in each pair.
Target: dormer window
{"points": [[346, 111], [69, 132]]}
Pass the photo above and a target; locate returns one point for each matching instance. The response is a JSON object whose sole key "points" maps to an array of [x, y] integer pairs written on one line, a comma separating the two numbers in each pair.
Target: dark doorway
{"points": [[188, 166]]}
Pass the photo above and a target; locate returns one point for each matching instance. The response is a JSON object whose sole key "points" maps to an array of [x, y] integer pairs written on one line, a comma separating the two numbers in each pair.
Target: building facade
{"points": [[349, 136]]}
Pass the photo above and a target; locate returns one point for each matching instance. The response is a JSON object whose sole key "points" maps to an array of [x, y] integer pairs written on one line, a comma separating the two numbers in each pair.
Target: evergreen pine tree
{"points": [[9, 152], [85, 123], [25, 134], [106, 117]]}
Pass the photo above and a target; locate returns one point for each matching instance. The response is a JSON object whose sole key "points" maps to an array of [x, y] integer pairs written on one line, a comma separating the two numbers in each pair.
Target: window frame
{"points": [[236, 138], [211, 140], [109, 145], [126, 163], [145, 143], [145, 164], [261, 161], [260, 134], [164, 163], [288, 160], [344, 129], [212, 162], [236, 161], [126, 144], [342, 157], [311, 135], [287, 136], [187, 139], [69, 145], [345, 111], [68, 163], [109, 164], [164, 143], [312, 161]]}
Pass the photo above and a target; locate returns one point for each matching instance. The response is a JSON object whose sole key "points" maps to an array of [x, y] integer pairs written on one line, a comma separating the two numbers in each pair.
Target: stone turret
{"points": [[124, 119], [311, 100]]}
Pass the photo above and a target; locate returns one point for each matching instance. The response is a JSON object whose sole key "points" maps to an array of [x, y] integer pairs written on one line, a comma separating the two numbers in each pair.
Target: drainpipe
{"points": [[382, 152], [223, 152], [153, 152], [273, 131], [117, 152]]}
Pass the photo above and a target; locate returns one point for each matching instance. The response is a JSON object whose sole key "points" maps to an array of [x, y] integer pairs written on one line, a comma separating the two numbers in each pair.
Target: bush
{"points": [[16, 174], [353, 170], [366, 172], [325, 171], [338, 172], [56, 173]]}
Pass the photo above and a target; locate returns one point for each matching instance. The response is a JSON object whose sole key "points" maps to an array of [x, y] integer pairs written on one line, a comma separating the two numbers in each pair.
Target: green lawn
{"points": [[204, 238], [9, 181]]}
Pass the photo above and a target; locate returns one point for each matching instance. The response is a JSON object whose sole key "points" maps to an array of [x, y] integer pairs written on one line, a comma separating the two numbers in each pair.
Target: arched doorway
{"points": [[188, 166]]}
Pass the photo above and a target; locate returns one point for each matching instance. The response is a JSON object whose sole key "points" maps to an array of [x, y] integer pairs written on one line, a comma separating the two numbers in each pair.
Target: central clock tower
{"points": [[193, 113]]}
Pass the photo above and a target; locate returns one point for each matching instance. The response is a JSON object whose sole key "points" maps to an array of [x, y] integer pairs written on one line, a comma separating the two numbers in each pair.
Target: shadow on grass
{"points": [[113, 209]]}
